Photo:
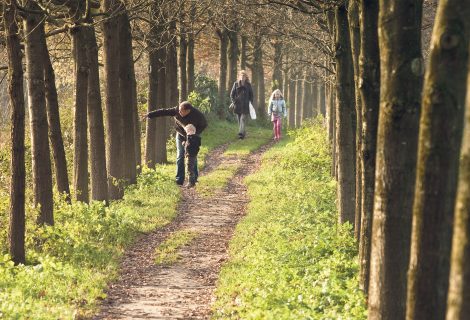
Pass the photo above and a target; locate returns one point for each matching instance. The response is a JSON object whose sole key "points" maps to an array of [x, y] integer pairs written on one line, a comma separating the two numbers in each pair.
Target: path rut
{"points": [[185, 289]]}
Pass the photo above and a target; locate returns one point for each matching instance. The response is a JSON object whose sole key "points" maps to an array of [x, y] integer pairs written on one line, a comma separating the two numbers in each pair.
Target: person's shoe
{"points": [[180, 183]]}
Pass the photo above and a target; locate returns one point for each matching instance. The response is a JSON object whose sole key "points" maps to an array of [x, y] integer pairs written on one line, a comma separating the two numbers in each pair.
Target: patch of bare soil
{"points": [[183, 290]]}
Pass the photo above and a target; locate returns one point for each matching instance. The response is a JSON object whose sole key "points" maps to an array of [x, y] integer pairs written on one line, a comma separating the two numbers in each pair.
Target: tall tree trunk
{"points": [[440, 140], [285, 88], [223, 43], [150, 143], [233, 53], [354, 31], [160, 122], [458, 307], [291, 102], [191, 63], [307, 103], [345, 119], [114, 154], [80, 139], [126, 77], [244, 49], [183, 52], [259, 69], [298, 102], [18, 171], [172, 92], [369, 75], [42, 174], [315, 106], [136, 124], [98, 174], [401, 65], [277, 67], [321, 99], [55, 132]]}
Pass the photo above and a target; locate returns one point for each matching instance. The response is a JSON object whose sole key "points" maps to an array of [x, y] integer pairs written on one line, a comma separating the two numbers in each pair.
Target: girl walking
{"points": [[277, 109]]}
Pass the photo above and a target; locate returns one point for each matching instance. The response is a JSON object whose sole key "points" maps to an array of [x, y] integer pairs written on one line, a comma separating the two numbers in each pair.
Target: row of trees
{"points": [[114, 36], [396, 146], [397, 143]]}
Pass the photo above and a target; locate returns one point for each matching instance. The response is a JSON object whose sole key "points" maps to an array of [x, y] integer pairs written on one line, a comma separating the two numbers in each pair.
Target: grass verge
{"points": [[167, 252], [289, 259], [69, 264]]}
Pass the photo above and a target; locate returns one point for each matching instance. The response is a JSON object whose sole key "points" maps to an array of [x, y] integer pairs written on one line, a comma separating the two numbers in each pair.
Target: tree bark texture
{"points": [[291, 102], [160, 122], [55, 131], [223, 44], [114, 154], [243, 53], [80, 139], [191, 63], [277, 67], [345, 119], [307, 103], [298, 102], [42, 174], [16, 234], [458, 307], [354, 32], [369, 79], [98, 170], [233, 53], [172, 92], [400, 93], [183, 52], [440, 137], [259, 69], [126, 77], [150, 143]]}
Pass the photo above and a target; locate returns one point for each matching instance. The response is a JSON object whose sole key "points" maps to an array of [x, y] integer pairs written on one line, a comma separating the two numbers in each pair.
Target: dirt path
{"points": [[183, 290]]}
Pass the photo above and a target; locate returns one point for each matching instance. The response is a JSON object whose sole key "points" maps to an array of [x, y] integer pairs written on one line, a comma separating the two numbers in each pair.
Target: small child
{"points": [[191, 149]]}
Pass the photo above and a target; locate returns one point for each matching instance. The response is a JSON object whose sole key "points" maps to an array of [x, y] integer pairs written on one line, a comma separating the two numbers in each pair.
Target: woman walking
{"points": [[277, 109], [241, 96]]}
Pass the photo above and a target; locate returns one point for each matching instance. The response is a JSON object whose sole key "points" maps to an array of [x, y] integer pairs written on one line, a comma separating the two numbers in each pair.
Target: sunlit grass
{"points": [[168, 251], [209, 184]]}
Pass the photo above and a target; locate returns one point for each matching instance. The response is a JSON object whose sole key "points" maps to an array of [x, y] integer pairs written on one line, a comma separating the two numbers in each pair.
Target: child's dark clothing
{"points": [[191, 149]]}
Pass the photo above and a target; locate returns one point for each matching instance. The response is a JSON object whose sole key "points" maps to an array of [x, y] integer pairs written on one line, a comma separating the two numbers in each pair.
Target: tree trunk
{"points": [[191, 63], [183, 51], [42, 174], [150, 143], [315, 106], [321, 99], [136, 124], [345, 119], [285, 88], [307, 103], [18, 172], [291, 102], [172, 92], [160, 122], [259, 69], [369, 75], [98, 176], [244, 48], [458, 307], [126, 77], [353, 17], [55, 131], [277, 67], [80, 139], [223, 42], [440, 140], [233, 53], [401, 65], [114, 154], [298, 102]]}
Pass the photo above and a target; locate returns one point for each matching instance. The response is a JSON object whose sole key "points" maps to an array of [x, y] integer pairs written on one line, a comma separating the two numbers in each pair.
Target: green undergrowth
{"points": [[69, 264], [167, 252], [289, 259]]}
